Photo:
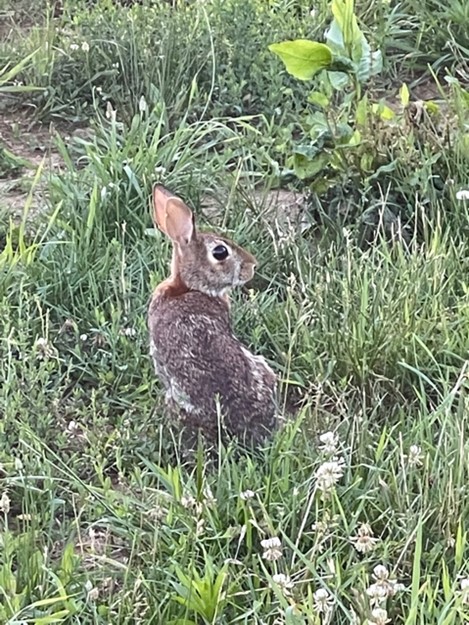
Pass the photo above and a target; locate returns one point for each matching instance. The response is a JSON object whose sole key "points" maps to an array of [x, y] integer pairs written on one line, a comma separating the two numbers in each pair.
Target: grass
{"points": [[100, 520]]}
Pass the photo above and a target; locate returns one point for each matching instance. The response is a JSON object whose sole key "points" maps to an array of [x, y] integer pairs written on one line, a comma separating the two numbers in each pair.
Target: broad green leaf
{"points": [[303, 58], [360, 58], [431, 107], [338, 80], [307, 167], [366, 163], [383, 111], [352, 36], [341, 63], [322, 185], [318, 98], [361, 112], [370, 63], [335, 39], [355, 139]]}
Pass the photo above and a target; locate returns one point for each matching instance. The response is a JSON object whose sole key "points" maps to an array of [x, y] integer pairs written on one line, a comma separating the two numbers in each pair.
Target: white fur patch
{"points": [[259, 366], [176, 394]]}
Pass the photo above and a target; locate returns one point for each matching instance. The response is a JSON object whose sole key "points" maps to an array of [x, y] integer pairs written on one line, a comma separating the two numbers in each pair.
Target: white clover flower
{"points": [[83, 338], [379, 617], [247, 494], [364, 541], [377, 593], [464, 590], [74, 46], [272, 548], [462, 194], [283, 582], [381, 573], [329, 473], [329, 442], [415, 457], [384, 586], [323, 601], [5, 503], [130, 332], [44, 349], [85, 46]]}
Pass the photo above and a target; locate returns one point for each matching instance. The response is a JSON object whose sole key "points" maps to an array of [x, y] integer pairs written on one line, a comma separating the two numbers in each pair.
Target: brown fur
{"points": [[197, 357]]}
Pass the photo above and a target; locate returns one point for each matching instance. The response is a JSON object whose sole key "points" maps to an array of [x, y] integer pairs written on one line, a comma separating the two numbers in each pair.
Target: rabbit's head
{"points": [[203, 261]]}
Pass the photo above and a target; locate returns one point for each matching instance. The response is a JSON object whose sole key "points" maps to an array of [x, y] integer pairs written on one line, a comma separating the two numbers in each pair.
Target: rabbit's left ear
{"points": [[160, 197], [179, 221], [172, 216]]}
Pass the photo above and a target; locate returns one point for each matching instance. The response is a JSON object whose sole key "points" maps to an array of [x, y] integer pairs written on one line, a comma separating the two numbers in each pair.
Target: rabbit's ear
{"points": [[179, 221], [160, 197]]}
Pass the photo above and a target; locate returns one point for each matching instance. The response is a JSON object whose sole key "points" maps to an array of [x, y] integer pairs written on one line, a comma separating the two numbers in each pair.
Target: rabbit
{"points": [[206, 371]]}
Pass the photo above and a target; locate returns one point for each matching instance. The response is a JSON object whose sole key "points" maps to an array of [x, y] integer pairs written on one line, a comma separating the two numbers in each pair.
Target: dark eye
{"points": [[220, 252]]}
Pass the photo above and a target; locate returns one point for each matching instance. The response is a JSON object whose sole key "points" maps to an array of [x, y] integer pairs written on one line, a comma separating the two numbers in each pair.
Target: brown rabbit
{"points": [[206, 370]]}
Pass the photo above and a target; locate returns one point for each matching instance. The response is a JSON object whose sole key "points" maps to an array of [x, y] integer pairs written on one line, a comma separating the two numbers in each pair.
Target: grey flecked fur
{"points": [[205, 369]]}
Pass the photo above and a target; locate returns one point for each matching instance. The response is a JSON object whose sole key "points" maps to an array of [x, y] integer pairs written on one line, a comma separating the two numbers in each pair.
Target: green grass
{"points": [[100, 520]]}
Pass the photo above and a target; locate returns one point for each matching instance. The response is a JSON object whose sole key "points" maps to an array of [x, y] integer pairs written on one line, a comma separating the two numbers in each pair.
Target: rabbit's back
{"points": [[198, 359]]}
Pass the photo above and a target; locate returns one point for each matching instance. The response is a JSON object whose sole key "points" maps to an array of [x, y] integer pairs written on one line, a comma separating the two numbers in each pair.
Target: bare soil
{"points": [[29, 144]]}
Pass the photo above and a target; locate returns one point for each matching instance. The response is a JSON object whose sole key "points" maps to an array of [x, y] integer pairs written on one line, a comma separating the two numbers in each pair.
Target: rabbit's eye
{"points": [[220, 252]]}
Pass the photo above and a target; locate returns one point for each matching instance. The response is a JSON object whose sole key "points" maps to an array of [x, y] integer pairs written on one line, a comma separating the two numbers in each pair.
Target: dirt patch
{"points": [[422, 88], [25, 146]]}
